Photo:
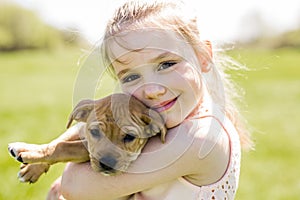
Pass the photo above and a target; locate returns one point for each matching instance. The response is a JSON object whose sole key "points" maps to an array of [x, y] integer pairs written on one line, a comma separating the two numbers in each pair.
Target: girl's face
{"points": [[161, 70]]}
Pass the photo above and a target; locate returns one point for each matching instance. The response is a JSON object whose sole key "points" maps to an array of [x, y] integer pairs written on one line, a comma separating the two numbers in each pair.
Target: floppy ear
{"points": [[81, 111], [155, 125]]}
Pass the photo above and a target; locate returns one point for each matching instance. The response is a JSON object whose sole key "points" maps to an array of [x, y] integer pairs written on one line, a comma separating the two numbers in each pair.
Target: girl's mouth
{"points": [[165, 105]]}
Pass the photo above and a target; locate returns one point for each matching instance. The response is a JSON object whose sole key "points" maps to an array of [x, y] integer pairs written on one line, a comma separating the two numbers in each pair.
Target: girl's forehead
{"points": [[147, 40]]}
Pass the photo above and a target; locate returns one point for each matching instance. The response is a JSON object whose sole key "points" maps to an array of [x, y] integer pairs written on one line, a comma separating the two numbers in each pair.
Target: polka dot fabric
{"points": [[226, 187]]}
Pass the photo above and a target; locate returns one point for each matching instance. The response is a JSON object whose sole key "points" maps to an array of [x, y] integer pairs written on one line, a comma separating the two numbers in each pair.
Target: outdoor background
{"points": [[40, 61]]}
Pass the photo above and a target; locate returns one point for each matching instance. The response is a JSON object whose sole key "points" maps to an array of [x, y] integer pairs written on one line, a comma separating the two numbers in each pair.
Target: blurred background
{"points": [[41, 48]]}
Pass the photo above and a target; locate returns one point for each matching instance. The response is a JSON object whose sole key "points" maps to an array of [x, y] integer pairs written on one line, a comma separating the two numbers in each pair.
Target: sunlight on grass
{"points": [[272, 94], [36, 99]]}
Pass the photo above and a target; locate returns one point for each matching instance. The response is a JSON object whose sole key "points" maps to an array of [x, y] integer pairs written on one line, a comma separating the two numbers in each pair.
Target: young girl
{"points": [[155, 51]]}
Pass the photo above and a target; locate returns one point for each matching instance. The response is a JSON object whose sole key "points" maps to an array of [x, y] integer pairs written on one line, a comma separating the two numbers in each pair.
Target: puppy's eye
{"points": [[95, 132], [128, 138]]}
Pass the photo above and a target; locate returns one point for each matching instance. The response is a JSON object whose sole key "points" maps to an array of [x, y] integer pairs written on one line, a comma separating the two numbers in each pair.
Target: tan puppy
{"points": [[117, 128]]}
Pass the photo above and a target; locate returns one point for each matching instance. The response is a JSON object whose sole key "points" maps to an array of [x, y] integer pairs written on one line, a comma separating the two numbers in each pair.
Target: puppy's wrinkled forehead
{"points": [[118, 106]]}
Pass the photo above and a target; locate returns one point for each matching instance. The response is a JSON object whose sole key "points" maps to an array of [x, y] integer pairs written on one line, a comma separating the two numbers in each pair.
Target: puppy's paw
{"points": [[27, 153], [31, 172], [15, 148]]}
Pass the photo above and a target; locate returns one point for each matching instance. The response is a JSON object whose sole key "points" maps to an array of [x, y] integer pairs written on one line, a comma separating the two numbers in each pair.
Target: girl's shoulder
{"points": [[214, 136]]}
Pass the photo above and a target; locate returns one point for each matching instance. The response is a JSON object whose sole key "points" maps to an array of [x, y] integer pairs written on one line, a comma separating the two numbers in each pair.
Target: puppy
{"points": [[116, 128]]}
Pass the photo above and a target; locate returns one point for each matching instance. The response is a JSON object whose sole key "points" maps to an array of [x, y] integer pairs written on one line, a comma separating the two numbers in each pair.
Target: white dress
{"points": [[223, 189]]}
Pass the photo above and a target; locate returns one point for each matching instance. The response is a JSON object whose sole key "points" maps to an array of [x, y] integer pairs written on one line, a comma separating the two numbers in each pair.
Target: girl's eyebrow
{"points": [[120, 73], [161, 56]]}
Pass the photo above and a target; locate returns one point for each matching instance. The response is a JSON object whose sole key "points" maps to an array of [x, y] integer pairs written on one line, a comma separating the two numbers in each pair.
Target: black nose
{"points": [[108, 163]]}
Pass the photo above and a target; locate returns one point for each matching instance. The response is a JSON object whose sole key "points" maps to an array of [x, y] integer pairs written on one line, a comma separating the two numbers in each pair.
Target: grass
{"points": [[36, 98], [37, 95], [273, 96]]}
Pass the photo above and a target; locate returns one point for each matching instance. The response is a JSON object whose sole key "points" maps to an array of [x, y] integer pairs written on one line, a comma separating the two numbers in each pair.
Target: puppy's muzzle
{"points": [[108, 163]]}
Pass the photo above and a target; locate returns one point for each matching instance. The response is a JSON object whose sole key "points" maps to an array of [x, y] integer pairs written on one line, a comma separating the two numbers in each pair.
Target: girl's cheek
{"points": [[132, 90], [125, 89]]}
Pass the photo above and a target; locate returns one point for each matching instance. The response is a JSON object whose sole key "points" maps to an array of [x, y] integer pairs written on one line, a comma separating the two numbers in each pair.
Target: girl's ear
{"points": [[205, 56]]}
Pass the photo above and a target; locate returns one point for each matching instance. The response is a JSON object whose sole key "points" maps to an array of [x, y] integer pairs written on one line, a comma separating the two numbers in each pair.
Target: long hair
{"points": [[176, 16]]}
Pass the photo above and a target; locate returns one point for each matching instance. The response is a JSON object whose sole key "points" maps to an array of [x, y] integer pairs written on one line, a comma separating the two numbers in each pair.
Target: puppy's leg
{"points": [[28, 153], [67, 147], [60, 151], [69, 151], [32, 153], [65, 151], [32, 172]]}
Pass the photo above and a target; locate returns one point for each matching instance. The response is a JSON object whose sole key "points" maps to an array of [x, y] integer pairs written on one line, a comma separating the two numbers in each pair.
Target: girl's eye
{"points": [[130, 78], [166, 65]]}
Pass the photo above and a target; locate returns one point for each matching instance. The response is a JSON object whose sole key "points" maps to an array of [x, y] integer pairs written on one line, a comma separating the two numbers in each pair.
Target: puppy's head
{"points": [[117, 128]]}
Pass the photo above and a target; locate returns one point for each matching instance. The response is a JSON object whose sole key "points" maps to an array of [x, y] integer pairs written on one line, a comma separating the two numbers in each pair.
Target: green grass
{"points": [[273, 94], [36, 92], [36, 98]]}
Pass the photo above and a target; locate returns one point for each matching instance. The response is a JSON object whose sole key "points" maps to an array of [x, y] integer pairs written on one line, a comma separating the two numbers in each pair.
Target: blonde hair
{"points": [[176, 16]]}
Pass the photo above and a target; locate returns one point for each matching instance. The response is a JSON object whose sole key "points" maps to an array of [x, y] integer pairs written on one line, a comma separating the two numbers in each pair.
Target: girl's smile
{"points": [[164, 76], [166, 105]]}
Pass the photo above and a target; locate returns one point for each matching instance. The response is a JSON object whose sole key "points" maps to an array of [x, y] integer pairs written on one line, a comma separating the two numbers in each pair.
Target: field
{"points": [[36, 92]]}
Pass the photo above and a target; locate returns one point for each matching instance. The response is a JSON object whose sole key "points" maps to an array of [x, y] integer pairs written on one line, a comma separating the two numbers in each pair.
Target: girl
{"points": [[156, 53]]}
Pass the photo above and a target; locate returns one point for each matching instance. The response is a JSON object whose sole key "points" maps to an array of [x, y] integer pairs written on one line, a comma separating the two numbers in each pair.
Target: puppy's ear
{"points": [[155, 125], [81, 111]]}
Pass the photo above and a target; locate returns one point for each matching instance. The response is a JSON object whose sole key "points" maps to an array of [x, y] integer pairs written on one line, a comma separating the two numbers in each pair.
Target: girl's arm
{"points": [[158, 164]]}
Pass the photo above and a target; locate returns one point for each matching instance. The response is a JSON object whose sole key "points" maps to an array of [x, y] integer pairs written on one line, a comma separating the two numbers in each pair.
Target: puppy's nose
{"points": [[108, 163]]}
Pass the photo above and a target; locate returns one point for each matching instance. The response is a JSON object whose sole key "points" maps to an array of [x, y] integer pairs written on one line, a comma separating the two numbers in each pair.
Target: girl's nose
{"points": [[154, 91]]}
